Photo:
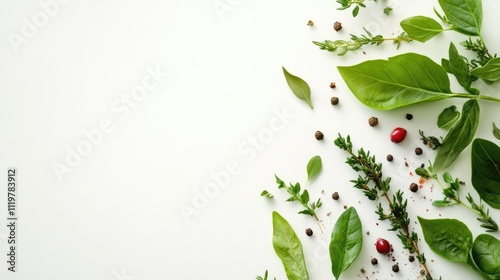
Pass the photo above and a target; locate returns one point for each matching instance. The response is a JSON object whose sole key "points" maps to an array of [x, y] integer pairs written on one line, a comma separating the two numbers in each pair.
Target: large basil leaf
{"points": [[397, 82], [458, 67], [485, 161], [289, 249], [347, 240], [490, 71], [486, 255], [465, 15], [299, 87], [459, 136], [448, 238], [314, 167], [448, 117], [421, 28]]}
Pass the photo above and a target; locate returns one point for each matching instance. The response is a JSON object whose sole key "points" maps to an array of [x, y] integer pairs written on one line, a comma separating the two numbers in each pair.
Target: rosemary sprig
{"points": [[374, 186]]}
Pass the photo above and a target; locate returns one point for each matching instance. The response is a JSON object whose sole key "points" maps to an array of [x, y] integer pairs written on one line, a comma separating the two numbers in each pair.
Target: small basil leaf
{"points": [[304, 197], [289, 249], [465, 15], [496, 131], [267, 194], [421, 28], [490, 71], [446, 64], [448, 238], [397, 82], [459, 136], [448, 117], [485, 161], [299, 87], [440, 203], [458, 67], [347, 240], [486, 255], [314, 167]]}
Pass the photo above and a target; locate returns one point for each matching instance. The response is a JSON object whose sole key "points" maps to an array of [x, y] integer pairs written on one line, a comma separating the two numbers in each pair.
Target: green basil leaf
{"points": [[397, 82], [448, 238], [485, 161], [490, 71], [314, 167], [347, 240], [459, 136], [465, 15], [299, 87], [289, 249], [496, 131], [458, 67], [421, 28], [446, 64], [267, 194], [448, 117], [441, 203], [486, 255]]}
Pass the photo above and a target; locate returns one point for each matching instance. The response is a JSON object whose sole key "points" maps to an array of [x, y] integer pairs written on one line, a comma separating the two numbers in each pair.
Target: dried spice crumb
{"points": [[309, 232], [422, 272], [413, 187], [363, 270], [409, 117], [390, 158], [374, 261], [395, 268], [334, 100], [406, 164], [411, 258], [345, 206], [373, 121], [319, 135], [368, 232], [333, 85], [337, 26], [310, 23], [335, 196], [418, 151]]}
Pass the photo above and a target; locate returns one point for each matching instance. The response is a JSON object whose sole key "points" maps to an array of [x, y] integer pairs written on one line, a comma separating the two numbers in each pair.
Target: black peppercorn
{"points": [[413, 187], [337, 26], [390, 158], [374, 261], [373, 121], [418, 151], [335, 195], [319, 135], [334, 100], [395, 268], [309, 232], [411, 258], [409, 116]]}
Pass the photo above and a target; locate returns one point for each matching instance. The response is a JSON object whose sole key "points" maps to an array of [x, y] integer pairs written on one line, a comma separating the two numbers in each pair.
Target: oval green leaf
{"points": [[397, 82], [486, 255], [347, 240], [299, 87], [314, 167], [485, 161], [289, 249], [490, 71], [458, 67], [459, 136], [496, 131], [421, 28], [448, 238], [465, 15], [448, 117]]}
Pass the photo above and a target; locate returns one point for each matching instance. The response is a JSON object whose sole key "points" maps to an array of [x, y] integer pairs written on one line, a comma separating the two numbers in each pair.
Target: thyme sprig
{"points": [[357, 42], [452, 197], [374, 186]]}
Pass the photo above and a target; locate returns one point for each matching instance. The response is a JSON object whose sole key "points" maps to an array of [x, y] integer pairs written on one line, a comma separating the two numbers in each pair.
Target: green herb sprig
{"points": [[374, 186], [263, 278]]}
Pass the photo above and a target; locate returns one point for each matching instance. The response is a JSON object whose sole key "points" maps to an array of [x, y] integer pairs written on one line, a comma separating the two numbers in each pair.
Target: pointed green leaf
{"points": [[490, 71], [448, 117], [485, 161], [314, 167], [496, 131], [347, 240], [459, 136], [421, 28], [299, 87], [458, 67], [397, 82], [289, 249], [465, 15]]}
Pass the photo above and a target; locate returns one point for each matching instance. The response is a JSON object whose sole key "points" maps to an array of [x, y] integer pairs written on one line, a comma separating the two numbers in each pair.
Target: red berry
{"points": [[398, 135], [383, 246]]}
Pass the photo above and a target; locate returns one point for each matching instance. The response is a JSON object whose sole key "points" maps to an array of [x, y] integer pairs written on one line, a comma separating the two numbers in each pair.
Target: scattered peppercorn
{"points": [[334, 100], [409, 116], [373, 121], [418, 151], [363, 270], [335, 195], [374, 261], [395, 268], [411, 258], [345, 206], [319, 135], [310, 23], [413, 187], [309, 232], [422, 272], [337, 26], [422, 165], [390, 158], [333, 85]]}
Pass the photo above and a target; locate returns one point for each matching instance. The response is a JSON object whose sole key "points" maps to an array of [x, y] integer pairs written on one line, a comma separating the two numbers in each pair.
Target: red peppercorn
{"points": [[398, 135], [383, 246]]}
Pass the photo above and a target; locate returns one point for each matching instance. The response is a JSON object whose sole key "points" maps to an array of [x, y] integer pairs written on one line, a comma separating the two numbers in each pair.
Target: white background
{"points": [[117, 212]]}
